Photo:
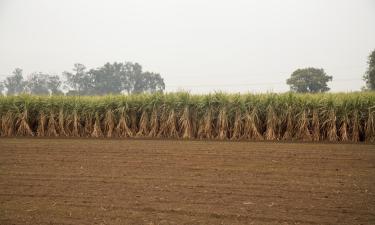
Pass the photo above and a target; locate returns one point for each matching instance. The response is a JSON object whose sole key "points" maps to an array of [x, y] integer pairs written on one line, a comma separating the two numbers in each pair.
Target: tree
{"points": [[37, 84], [113, 78], [132, 71], [107, 79], [1, 88], [79, 80], [136, 81], [15, 83], [43, 84], [54, 84], [369, 76], [311, 80], [148, 82]]}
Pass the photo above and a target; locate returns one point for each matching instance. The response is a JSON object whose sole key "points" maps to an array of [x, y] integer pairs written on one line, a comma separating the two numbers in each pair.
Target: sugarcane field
{"points": [[273, 117], [188, 112]]}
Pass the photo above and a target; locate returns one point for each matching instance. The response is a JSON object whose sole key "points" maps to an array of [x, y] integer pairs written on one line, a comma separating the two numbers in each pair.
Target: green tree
{"points": [[1, 88], [79, 80], [129, 79], [15, 83], [43, 84], [54, 83], [106, 79], [113, 78], [369, 76], [136, 81], [148, 82], [309, 80]]}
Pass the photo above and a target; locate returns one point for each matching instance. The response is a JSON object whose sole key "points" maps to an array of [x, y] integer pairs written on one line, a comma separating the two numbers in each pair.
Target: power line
{"points": [[251, 84]]}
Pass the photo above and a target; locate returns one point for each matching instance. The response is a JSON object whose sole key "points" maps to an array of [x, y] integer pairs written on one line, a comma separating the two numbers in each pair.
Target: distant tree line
{"points": [[129, 78], [113, 78]]}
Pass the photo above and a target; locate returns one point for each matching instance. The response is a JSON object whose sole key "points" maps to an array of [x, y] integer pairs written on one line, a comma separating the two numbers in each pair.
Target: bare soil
{"points": [[102, 181]]}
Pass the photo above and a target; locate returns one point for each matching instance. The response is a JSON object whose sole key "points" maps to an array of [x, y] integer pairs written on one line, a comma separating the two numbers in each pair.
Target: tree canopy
{"points": [[309, 80], [78, 80], [15, 83], [112, 78], [1, 88], [369, 76], [43, 84]]}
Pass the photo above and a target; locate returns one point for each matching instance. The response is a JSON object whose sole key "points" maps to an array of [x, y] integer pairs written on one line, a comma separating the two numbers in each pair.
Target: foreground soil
{"points": [[87, 181]]}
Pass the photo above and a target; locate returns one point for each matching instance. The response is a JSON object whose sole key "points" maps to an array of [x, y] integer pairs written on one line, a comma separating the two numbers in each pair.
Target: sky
{"points": [[199, 46]]}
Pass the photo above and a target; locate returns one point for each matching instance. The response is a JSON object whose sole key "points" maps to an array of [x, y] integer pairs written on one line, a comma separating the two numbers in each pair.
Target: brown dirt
{"points": [[88, 181]]}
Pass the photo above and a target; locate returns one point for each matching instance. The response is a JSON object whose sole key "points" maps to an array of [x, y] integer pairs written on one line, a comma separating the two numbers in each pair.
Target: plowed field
{"points": [[102, 181]]}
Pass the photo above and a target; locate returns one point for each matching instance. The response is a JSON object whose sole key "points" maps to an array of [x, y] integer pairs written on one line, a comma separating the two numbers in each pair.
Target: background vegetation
{"points": [[112, 78]]}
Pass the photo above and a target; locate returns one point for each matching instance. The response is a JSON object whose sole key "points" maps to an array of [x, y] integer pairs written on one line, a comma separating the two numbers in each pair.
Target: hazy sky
{"points": [[197, 45]]}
